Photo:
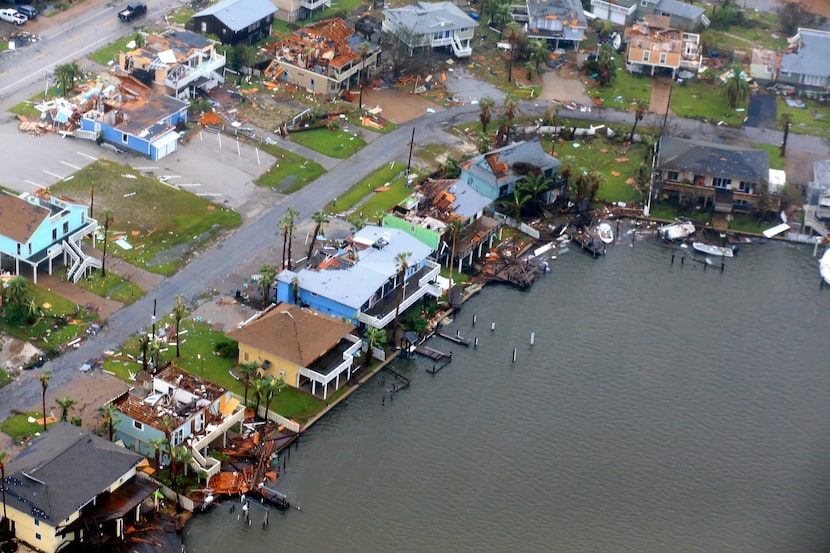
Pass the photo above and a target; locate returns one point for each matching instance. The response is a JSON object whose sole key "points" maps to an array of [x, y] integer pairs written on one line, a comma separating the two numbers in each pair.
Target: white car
{"points": [[13, 17]]}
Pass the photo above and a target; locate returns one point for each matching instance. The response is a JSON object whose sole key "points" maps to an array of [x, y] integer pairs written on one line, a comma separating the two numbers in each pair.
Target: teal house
{"points": [[37, 229], [496, 173]]}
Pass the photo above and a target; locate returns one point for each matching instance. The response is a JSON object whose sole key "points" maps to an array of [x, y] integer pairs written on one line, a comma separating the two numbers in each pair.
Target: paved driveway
{"points": [[761, 112]]}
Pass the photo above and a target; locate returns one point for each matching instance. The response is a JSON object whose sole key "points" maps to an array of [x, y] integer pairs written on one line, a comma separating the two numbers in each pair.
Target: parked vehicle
{"points": [[28, 11], [11, 16], [132, 11]]}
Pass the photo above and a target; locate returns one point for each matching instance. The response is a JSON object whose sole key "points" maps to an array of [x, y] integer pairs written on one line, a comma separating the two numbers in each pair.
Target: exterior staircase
{"points": [[459, 49], [812, 221], [81, 262]]}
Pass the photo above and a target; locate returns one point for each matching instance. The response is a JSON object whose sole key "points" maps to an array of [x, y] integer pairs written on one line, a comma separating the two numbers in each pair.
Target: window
{"points": [[38, 537], [747, 187], [673, 175], [246, 356], [204, 26], [124, 137], [719, 182], [66, 227], [54, 234], [700, 180], [138, 426], [663, 57], [37, 522], [646, 55]]}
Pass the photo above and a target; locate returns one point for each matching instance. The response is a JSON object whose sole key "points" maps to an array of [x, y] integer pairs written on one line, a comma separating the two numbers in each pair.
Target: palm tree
{"points": [[606, 66], [44, 385], [538, 53], [144, 344], [786, 121], [484, 143], [157, 445], [249, 372], [179, 455], [109, 418], [285, 226], [320, 218], [67, 74], [153, 351], [3, 456], [178, 314], [272, 385], [486, 105], [512, 36], [736, 89], [402, 264], [364, 52], [107, 222], [266, 277], [292, 214], [16, 289], [65, 403], [640, 108], [258, 386], [501, 15], [375, 338], [516, 203], [534, 185], [454, 227], [451, 169]]}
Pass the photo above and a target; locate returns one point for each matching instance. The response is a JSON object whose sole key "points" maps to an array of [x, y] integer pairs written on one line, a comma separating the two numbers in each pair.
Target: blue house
{"points": [[36, 229], [360, 282], [201, 412], [132, 116], [496, 173]]}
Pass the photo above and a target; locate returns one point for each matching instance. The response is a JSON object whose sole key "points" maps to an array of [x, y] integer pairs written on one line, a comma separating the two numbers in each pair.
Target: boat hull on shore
{"points": [[677, 231], [824, 266], [605, 233], [711, 249]]}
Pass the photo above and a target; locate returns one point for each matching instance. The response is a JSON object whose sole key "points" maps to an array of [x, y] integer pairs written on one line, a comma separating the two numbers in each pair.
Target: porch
{"points": [[383, 312]]}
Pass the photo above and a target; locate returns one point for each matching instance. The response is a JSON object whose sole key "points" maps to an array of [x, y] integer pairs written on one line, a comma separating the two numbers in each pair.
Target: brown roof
{"points": [[18, 218], [299, 335]]}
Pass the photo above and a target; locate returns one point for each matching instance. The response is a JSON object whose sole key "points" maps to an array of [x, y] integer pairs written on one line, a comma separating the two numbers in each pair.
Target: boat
{"points": [[605, 233], [711, 249], [824, 266], [677, 231]]}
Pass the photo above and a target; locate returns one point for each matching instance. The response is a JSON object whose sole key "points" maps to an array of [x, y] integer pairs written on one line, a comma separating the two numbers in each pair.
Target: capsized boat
{"points": [[605, 233], [824, 266], [677, 231], [711, 249]]}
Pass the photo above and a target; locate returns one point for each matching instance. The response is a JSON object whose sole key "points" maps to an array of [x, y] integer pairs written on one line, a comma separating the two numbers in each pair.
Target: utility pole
{"points": [[154, 319], [411, 144]]}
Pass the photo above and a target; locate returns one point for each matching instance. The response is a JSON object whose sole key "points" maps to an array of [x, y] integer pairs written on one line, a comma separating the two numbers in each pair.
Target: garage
{"points": [[165, 145]]}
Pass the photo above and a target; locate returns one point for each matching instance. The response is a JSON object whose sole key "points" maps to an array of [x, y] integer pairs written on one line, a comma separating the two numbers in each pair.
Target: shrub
{"points": [[228, 350]]}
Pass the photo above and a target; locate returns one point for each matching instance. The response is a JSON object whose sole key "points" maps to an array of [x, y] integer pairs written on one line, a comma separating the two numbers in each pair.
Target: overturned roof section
{"points": [[238, 14], [300, 335], [428, 17], [707, 158], [63, 470]]}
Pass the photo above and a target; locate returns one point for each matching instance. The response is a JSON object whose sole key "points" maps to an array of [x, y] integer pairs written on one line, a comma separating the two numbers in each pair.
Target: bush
{"points": [[228, 350]]}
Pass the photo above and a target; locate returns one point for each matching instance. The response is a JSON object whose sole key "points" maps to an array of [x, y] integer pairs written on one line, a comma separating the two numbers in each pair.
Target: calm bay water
{"points": [[662, 408]]}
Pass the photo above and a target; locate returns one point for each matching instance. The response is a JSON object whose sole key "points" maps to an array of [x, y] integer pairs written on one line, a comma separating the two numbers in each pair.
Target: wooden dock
{"points": [[433, 354], [457, 338]]}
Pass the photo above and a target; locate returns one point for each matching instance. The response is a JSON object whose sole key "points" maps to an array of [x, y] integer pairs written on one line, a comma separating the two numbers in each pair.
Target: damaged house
{"points": [[653, 45], [126, 113], [326, 57], [179, 63], [552, 20], [432, 25]]}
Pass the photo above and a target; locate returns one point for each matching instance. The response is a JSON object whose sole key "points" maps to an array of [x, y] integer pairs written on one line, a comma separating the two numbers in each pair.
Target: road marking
{"points": [[41, 55], [53, 174], [70, 165], [93, 158], [34, 183], [189, 185], [210, 195]]}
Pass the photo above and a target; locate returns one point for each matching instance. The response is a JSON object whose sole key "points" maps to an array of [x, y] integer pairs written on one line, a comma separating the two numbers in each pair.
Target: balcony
{"points": [[183, 75], [708, 193], [315, 4], [383, 312]]}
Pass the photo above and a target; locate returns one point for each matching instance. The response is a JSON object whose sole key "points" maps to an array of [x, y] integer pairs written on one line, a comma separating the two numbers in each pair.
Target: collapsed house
{"points": [[326, 57]]}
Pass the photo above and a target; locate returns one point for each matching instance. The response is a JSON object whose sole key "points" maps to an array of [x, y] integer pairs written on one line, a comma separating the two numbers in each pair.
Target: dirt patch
{"points": [[15, 353], [660, 91], [397, 106], [564, 84], [820, 7], [91, 390]]}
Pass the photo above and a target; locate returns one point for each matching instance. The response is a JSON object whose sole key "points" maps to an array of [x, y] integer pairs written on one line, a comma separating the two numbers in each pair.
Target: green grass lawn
{"points": [[110, 52], [387, 175], [290, 172], [699, 100], [338, 143], [163, 224], [615, 161], [4, 378], [775, 159], [624, 90], [56, 322], [813, 120], [199, 340], [19, 427], [112, 286]]}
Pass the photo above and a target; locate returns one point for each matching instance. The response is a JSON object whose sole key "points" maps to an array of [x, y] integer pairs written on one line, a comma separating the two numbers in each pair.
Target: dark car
{"points": [[28, 11], [132, 11]]}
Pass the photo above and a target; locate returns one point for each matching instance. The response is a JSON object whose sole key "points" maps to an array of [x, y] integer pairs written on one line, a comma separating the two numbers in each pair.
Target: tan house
{"points": [[180, 61], [653, 45], [326, 57], [71, 486], [302, 346]]}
